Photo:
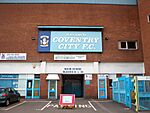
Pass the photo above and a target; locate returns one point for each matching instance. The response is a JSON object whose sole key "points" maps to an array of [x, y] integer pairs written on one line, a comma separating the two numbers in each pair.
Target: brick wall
{"points": [[59, 86], [91, 91], [144, 10], [43, 86], [19, 24]]}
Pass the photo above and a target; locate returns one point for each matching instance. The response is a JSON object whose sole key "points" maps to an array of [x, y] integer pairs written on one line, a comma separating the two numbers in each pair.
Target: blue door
{"points": [[52, 89], [29, 90], [33, 88], [36, 89], [102, 89]]}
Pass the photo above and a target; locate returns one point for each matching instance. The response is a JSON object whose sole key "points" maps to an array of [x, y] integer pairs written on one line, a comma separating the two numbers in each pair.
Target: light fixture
{"points": [[33, 38], [106, 38]]}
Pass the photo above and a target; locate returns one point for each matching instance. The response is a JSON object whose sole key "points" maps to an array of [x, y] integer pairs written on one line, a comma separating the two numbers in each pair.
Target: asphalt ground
{"points": [[81, 106]]}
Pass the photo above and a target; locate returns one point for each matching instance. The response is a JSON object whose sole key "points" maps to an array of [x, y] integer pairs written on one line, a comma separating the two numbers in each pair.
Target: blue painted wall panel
{"points": [[123, 2]]}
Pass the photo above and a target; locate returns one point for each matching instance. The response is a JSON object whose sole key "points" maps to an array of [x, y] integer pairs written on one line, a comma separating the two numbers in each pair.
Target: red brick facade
{"points": [[90, 91], [43, 86], [59, 86], [144, 11], [19, 24]]}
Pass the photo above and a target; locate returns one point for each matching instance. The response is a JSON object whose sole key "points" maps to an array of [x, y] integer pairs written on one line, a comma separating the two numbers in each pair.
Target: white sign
{"points": [[70, 41], [143, 77], [72, 70], [67, 99], [88, 77], [69, 57], [13, 56]]}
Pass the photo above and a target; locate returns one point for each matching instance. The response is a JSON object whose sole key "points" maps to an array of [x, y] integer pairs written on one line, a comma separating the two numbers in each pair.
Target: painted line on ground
{"points": [[92, 106], [36, 101], [45, 106], [14, 106]]}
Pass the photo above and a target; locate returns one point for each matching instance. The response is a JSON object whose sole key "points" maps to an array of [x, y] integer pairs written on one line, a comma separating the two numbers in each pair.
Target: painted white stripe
{"points": [[37, 101], [15, 106], [92, 106], [46, 105]]}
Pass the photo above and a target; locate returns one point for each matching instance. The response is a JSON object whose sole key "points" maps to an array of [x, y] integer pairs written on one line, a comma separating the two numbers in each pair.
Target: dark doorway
{"points": [[73, 84]]}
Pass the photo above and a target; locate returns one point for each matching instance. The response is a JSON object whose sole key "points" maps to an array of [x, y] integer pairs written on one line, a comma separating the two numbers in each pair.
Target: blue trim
{"points": [[102, 89], [121, 2], [36, 89], [29, 89], [33, 89], [49, 90], [78, 27]]}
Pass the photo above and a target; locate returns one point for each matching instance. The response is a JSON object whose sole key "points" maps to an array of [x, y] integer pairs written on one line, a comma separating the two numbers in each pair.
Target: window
{"points": [[148, 18], [110, 83], [127, 45]]}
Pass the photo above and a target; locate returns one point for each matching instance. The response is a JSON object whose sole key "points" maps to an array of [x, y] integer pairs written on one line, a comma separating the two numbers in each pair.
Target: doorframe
{"points": [[29, 97], [83, 83], [51, 90], [36, 89], [101, 77], [33, 89]]}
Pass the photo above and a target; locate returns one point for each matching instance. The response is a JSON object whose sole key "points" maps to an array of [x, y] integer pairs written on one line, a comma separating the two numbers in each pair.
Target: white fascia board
{"points": [[19, 68], [124, 68]]}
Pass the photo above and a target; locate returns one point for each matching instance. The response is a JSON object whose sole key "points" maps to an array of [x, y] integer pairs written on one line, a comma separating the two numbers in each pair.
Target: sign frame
{"points": [[70, 41], [67, 100]]}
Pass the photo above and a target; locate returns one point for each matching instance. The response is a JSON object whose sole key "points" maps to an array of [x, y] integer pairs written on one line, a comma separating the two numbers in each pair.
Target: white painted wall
{"points": [[22, 83], [87, 68], [19, 68], [124, 68], [59, 67]]}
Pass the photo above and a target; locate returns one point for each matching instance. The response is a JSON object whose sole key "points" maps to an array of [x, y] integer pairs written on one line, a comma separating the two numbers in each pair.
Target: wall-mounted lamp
{"points": [[33, 38], [34, 66], [106, 38]]}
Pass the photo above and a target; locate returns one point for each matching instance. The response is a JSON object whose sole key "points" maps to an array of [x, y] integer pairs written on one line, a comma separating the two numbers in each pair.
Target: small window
{"points": [[128, 45], [148, 18], [110, 83], [123, 45], [131, 45]]}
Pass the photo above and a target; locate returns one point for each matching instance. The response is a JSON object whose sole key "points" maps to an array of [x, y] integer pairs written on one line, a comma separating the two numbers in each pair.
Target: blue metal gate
{"points": [[142, 91], [122, 88]]}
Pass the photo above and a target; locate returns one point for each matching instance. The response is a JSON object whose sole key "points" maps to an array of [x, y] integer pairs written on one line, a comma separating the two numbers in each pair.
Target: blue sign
{"points": [[44, 41], [69, 41], [87, 82], [9, 76]]}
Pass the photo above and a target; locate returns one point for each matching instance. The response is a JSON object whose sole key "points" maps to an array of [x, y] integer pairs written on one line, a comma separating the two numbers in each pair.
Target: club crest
{"points": [[44, 40]]}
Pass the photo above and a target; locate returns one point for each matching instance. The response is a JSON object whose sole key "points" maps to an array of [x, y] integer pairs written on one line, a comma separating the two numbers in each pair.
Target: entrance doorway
{"points": [[33, 88], [102, 88], [73, 84]]}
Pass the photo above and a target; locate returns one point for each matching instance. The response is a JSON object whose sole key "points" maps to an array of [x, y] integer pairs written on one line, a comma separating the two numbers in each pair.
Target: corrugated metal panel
{"points": [[121, 2]]}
